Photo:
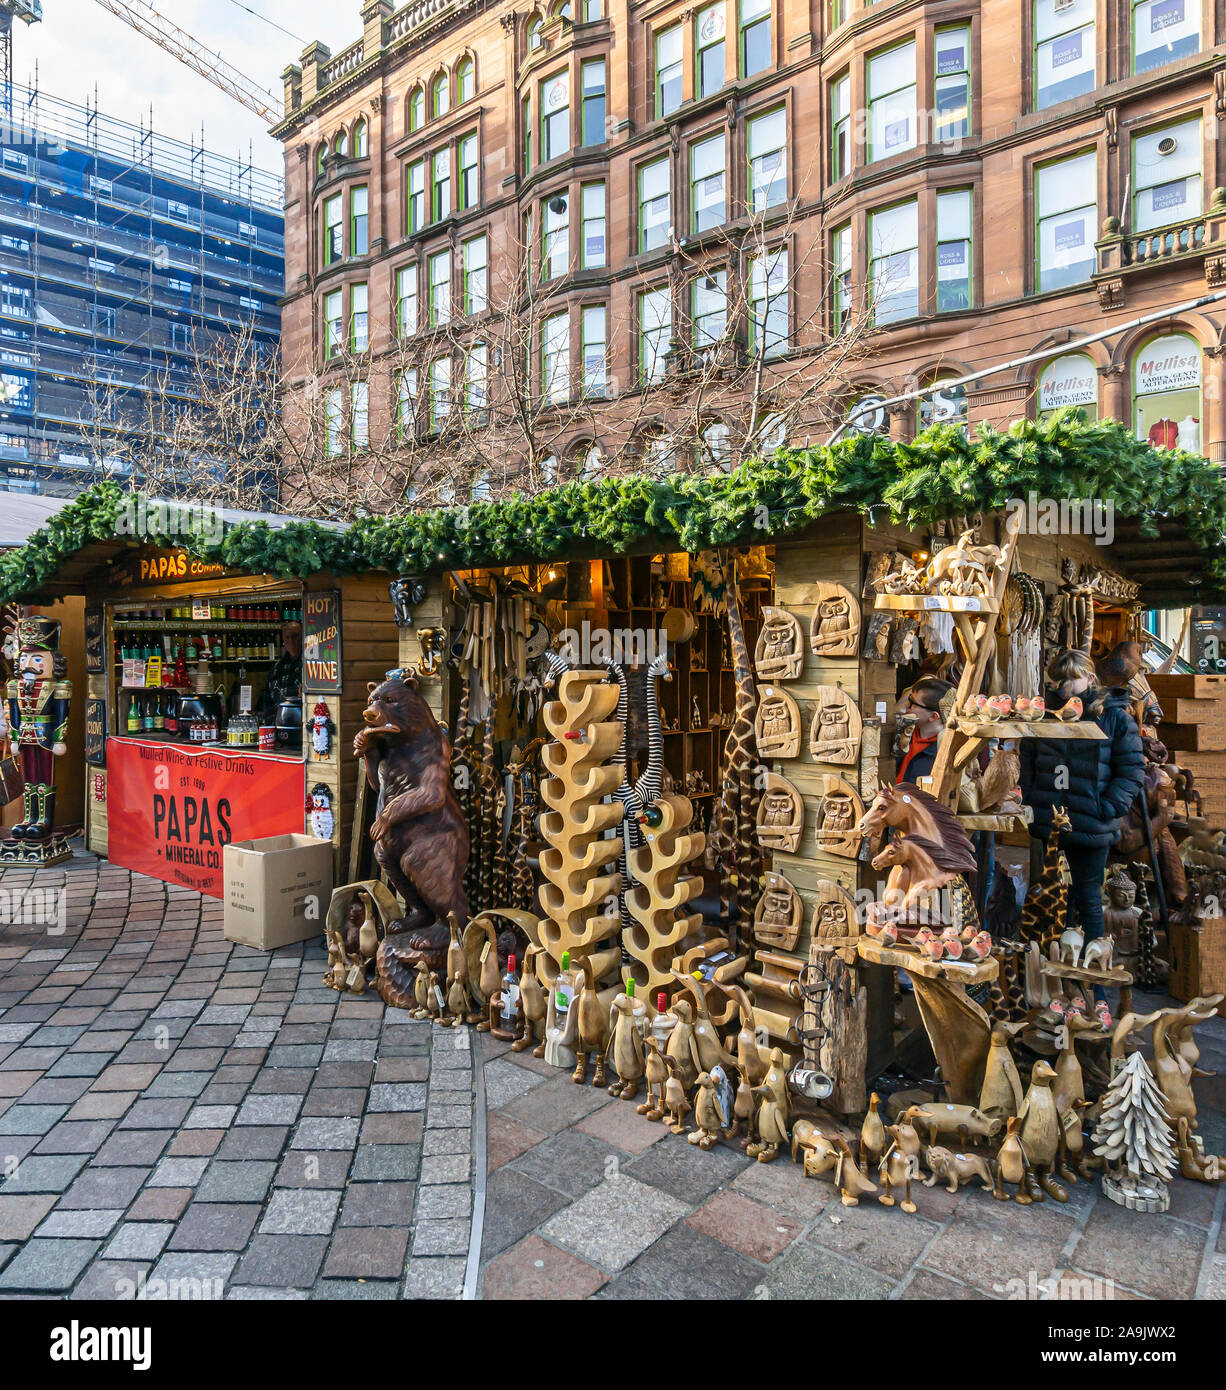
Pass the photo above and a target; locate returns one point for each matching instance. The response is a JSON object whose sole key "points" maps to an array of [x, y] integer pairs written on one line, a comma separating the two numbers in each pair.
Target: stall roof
{"points": [[1167, 512], [22, 513]]}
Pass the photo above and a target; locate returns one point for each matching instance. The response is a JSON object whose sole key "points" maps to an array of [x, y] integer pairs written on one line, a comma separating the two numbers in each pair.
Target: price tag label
{"points": [[973, 605], [932, 601], [485, 950], [244, 699]]}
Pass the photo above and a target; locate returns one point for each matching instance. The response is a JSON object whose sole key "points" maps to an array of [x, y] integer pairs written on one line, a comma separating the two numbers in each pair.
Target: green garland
{"points": [[941, 474]]}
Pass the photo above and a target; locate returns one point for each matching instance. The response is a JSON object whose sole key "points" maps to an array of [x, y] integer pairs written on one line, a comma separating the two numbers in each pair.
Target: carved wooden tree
{"points": [[660, 894], [580, 866], [1133, 1135]]}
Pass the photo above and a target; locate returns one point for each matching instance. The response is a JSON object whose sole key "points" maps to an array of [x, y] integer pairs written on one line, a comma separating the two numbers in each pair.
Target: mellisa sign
{"points": [[171, 811], [1170, 363]]}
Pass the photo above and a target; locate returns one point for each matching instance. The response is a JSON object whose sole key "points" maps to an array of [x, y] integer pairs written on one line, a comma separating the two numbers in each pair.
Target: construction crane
{"points": [[29, 12], [181, 45]]}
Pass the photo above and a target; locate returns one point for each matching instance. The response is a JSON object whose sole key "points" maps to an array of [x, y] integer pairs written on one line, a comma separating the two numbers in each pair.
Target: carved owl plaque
{"points": [[834, 735], [780, 652], [835, 630], [838, 813], [777, 724], [779, 915], [781, 815], [834, 920]]}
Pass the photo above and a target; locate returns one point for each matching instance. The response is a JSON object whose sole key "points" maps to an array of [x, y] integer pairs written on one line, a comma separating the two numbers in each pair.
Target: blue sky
{"points": [[79, 44]]}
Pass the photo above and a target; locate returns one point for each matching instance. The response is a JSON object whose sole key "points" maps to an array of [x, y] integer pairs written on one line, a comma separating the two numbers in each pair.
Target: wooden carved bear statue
{"points": [[421, 841]]}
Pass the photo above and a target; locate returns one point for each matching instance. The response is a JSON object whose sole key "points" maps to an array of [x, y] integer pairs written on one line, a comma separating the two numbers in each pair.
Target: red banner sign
{"points": [[171, 810]]}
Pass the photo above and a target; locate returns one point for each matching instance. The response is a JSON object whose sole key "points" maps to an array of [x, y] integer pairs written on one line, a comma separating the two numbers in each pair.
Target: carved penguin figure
{"points": [[1001, 1093], [1040, 1134], [681, 1046], [625, 1047]]}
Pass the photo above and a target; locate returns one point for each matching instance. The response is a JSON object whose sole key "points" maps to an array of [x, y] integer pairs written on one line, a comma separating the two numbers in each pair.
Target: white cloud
{"points": [[79, 46]]}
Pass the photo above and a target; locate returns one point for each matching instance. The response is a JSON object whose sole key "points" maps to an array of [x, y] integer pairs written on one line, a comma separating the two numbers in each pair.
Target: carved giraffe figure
{"points": [[1046, 905], [463, 779], [636, 796], [487, 830], [521, 891], [736, 818]]}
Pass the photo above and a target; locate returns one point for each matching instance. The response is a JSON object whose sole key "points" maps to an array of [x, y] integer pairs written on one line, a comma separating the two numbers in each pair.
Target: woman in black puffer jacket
{"points": [[1095, 780]]}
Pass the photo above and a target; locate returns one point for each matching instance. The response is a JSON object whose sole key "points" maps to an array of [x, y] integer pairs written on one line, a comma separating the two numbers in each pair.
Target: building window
{"points": [[359, 319], [893, 235], [1066, 206], [476, 377], [416, 186], [1166, 176], [417, 109], [655, 330], [465, 81], [669, 70], [754, 46], [555, 358], [440, 185], [359, 414], [406, 402], [476, 275], [1166, 384], [469, 194], [406, 300], [341, 145], [1064, 50], [1163, 31], [594, 102], [710, 29], [840, 261], [945, 404], [333, 324], [525, 116], [180, 336], [592, 11], [334, 230], [655, 205], [555, 116], [535, 25], [715, 447], [359, 221], [440, 288], [891, 101], [440, 392], [708, 170], [840, 127], [555, 234], [593, 212], [1071, 380], [360, 142], [768, 303], [709, 308], [102, 320], [837, 11], [954, 274], [595, 349], [334, 421], [440, 96], [768, 174], [952, 83]]}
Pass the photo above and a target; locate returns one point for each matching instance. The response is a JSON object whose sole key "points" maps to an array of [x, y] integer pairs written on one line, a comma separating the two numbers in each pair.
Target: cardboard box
{"points": [[277, 890], [1198, 959]]}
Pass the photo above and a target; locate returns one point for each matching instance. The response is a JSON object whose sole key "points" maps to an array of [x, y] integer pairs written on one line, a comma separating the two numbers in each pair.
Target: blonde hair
{"points": [[1070, 666]]}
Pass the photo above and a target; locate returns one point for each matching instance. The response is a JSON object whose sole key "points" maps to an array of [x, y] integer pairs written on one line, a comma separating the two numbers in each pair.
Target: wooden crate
{"points": [[1198, 959], [1188, 686]]}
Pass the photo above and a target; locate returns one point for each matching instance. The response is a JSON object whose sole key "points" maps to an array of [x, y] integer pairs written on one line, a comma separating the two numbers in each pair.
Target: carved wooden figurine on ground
{"points": [[676, 1102], [900, 1162], [873, 1139], [708, 1114], [1011, 1165], [953, 1168], [625, 1047], [534, 1004], [1040, 1135], [591, 1028], [968, 1122], [1001, 1093], [421, 841], [772, 1124], [655, 1074]]}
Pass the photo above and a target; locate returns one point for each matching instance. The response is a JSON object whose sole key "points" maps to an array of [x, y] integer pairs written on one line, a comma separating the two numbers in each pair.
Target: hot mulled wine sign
{"points": [[321, 643]]}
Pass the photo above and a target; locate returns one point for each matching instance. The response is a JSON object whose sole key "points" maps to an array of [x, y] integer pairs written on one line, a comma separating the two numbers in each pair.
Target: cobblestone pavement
{"points": [[182, 1117], [586, 1198]]}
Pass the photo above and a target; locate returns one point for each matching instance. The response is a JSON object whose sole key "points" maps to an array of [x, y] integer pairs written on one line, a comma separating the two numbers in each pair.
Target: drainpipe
{"points": [[1014, 362]]}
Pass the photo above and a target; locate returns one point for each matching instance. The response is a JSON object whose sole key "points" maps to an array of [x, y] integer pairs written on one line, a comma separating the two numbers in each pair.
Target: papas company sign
{"points": [[1168, 364], [162, 566]]}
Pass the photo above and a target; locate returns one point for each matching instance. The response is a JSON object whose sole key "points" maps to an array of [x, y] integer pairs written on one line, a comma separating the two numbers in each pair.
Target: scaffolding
{"points": [[116, 244]]}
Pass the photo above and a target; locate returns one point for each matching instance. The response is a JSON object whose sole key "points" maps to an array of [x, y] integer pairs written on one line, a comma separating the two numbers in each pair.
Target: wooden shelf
{"points": [[1115, 976], [1050, 729], [955, 971], [1014, 820], [939, 603]]}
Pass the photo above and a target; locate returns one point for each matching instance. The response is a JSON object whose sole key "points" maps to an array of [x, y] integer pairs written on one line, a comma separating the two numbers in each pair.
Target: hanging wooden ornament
{"points": [[835, 630], [778, 724], [838, 814], [834, 735], [779, 914], [781, 815], [780, 652]]}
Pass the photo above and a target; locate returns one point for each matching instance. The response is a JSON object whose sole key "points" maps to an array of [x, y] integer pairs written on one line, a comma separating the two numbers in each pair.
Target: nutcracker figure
{"points": [[37, 718]]}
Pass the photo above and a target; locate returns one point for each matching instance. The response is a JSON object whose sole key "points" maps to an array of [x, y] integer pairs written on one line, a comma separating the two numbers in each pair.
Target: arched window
{"points": [[341, 145], [772, 434], [535, 25], [561, 11], [417, 108], [945, 405], [440, 96], [549, 470], [660, 455], [715, 447], [874, 419], [1069, 380], [359, 140], [320, 157], [1166, 377], [465, 81]]}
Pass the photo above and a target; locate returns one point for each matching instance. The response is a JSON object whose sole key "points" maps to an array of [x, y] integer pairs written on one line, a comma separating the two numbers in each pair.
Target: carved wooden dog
{"points": [[953, 1168]]}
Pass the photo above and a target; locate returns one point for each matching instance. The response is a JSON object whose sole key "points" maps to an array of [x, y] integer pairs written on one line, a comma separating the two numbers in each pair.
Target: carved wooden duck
{"points": [[368, 933], [591, 1029], [1011, 1165], [676, 1104], [872, 1134], [532, 999], [489, 979], [421, 991]]}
